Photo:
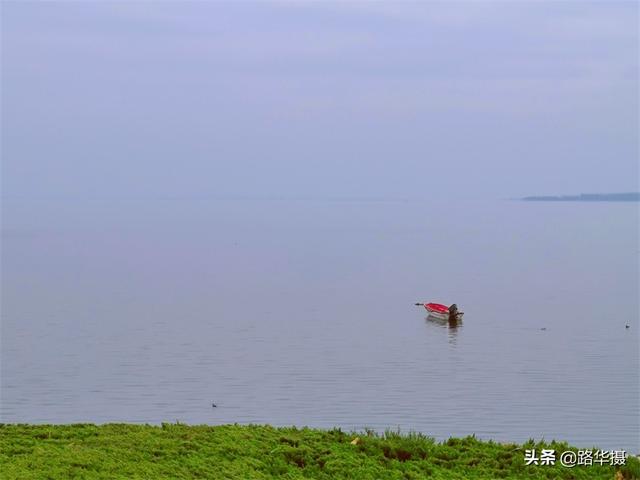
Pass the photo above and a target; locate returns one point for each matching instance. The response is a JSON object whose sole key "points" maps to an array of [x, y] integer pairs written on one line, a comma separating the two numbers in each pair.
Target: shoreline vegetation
{"points": [[179, 451], [587, 197]]}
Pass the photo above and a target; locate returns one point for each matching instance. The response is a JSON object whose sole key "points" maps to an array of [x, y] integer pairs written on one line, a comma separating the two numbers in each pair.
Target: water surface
{"points": [[301, 312]]}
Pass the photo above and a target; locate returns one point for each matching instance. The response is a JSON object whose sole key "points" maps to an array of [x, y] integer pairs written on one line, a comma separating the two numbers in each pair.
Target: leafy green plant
{"points": [[178, 451]]}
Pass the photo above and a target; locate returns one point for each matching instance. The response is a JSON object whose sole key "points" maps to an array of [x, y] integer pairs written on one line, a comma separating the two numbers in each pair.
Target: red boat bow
{"points": [[436, 307]]}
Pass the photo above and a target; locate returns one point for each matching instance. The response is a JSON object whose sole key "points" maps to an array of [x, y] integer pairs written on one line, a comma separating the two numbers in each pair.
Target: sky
{"points": [[323, 100]]}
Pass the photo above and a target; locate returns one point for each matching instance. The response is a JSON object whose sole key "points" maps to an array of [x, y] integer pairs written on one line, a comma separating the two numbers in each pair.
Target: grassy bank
{"points": [[261, 452]]}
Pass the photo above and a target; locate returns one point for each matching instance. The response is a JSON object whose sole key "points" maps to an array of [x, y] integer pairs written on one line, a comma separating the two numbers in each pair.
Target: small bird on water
{"points": [[213, 405]]}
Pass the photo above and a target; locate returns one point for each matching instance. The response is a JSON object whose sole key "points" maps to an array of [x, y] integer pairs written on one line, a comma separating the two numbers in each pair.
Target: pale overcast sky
{"points": [[361, 99]]}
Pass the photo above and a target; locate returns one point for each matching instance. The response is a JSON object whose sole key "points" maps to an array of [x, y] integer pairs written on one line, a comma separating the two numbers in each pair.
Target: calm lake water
{"points": [[301, 312]]}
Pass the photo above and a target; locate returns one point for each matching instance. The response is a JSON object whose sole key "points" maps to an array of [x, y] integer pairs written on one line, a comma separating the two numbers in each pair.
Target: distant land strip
{"points": [[587, 197]]}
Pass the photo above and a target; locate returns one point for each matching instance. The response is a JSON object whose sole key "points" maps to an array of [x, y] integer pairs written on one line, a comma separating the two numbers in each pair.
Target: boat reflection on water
{"points": [[452, 325]]}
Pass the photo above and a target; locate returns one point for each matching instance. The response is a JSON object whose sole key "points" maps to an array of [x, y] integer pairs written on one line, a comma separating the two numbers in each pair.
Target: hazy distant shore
{"points": [[586, 197]]}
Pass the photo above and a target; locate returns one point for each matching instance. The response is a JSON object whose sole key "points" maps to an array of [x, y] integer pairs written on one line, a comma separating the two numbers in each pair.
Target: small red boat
{"points": [[439, 311]]}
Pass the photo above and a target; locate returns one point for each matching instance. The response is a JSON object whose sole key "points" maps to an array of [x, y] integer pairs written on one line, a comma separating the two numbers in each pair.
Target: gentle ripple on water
{"points": [[286, 320]]}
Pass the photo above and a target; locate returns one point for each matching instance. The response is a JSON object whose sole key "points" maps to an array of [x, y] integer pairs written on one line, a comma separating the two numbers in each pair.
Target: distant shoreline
{"points": [[586, 197]]}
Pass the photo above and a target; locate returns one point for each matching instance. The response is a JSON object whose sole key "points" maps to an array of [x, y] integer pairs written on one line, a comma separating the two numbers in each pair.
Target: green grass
{"points": [[176, 451]]}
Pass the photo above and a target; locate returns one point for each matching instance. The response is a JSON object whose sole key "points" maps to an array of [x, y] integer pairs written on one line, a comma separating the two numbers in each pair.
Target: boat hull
{"points": [[444, 316], [440, 312], [439, 315]]}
